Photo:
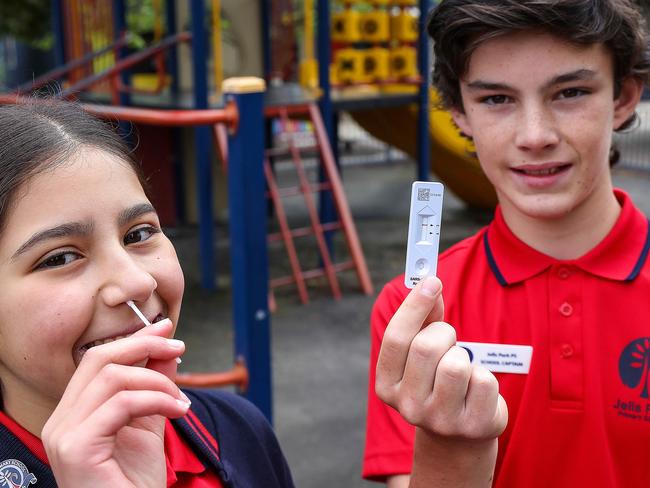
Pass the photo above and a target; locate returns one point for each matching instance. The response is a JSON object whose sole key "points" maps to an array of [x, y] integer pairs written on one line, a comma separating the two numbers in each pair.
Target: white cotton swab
{"points": [[143, 318], [138, 312]]}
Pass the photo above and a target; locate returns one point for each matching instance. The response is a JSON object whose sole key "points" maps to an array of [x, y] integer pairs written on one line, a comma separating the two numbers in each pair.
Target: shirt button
{"points": [[566, 309], [566, 350], [563, 273]]}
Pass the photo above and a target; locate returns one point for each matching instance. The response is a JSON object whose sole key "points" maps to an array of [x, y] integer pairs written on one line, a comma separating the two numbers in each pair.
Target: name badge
{"points": [[499, 358]]}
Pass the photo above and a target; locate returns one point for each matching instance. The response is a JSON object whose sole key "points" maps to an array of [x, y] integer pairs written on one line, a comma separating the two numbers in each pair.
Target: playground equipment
{"points": [[394, 104], [452, 155], [374, 42]]}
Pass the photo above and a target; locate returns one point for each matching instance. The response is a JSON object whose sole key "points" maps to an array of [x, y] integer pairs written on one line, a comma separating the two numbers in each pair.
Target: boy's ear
{"points": [[628, 99], [461, 121]]}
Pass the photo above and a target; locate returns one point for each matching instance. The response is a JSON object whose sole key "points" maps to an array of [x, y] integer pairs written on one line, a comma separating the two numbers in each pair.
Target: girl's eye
{"points": [[58, 260], [140, 234], [495, 99]]}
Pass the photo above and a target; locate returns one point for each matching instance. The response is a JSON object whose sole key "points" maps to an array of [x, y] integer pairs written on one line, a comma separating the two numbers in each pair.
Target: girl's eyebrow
{"points": [[63, 230], [81, 229], [132, 213]]}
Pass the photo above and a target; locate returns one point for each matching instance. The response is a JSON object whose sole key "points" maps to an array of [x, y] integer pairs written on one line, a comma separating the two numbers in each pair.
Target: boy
{"points": [[539, 86]]}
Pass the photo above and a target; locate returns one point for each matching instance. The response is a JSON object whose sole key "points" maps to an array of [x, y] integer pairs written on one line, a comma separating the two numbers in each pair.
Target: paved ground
{"points": [[320, 350]]}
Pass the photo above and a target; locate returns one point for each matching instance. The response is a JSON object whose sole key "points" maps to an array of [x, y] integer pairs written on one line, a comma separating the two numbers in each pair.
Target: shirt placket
{"points": [[566, 347]]}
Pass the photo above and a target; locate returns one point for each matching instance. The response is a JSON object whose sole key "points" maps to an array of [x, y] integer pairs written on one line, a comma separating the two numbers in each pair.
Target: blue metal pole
{"points": [[57, 31], [203, 147], [177, 142], [248, 249], [119, 27], [423, 142], [327, 210], [265, 20], [172, 53]]}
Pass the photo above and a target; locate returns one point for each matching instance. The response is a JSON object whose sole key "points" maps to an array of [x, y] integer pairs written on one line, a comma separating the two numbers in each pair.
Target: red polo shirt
{"points": [[184, 469], [581, 417]]}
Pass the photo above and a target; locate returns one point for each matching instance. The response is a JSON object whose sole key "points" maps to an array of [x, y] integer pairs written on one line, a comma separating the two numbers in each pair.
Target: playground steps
{"points": [[288, 117], [328, 268]]}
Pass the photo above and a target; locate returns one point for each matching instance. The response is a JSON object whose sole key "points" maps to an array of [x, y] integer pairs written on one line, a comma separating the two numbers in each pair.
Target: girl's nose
{"points": [[125, 278], [536, 130]]}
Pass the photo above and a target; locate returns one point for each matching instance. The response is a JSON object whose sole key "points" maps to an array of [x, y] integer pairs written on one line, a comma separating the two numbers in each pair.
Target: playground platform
{"points": [[320, 350]]}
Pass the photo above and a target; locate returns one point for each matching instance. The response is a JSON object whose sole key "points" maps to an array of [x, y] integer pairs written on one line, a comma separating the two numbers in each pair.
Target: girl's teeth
{"points": [[105, 341]]}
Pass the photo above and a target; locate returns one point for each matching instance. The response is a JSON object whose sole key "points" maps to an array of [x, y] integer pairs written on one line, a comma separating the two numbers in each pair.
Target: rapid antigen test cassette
{"points": [[424, 231]]}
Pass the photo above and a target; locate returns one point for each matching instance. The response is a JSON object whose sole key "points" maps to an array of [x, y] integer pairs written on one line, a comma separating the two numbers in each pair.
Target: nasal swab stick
{"points": [[138, 312], [143, 318]]}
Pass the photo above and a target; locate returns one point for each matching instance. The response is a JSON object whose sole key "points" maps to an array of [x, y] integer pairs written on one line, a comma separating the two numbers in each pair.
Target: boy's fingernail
{"points": [[430, 287], [185, 397], [179, 360]]}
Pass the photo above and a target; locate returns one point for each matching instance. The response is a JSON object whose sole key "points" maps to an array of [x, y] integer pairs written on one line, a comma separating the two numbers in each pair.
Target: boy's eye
{"points": [[58, 260], [140, 234], [495, 99], [572, 93]]}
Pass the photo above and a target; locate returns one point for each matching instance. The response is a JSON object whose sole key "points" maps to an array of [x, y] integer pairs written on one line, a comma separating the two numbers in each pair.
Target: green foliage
{"points": [[140, 21], [27, 21]]}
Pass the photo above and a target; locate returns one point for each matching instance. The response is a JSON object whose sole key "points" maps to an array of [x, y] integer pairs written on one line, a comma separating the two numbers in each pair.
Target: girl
{"points": [[87, 390]]}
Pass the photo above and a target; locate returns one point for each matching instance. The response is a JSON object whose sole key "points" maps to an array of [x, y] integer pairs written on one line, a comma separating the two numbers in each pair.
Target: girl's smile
{"points": [[81, 239]]}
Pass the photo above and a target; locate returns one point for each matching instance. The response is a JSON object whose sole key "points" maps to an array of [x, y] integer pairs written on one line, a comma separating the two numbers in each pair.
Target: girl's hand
{"points": [[108, 428], [431, 382]]}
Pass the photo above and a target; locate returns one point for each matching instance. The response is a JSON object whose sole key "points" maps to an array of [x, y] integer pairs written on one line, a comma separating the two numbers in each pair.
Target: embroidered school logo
{"points": [[634, 365], [14, 474]]}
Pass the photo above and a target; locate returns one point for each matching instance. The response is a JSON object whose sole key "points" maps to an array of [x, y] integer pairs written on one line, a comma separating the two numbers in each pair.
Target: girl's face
{"points": [[80, 240]]}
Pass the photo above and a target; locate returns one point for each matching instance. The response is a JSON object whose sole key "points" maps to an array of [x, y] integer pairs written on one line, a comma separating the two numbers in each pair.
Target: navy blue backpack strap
{"points": [[249, 455]]}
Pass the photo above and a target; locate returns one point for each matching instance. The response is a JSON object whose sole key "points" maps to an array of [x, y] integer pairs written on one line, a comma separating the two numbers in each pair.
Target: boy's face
{"points": [[541, 113], [81, 239]]}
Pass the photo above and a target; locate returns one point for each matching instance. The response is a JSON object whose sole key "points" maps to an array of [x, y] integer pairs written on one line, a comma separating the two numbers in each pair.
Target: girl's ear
{"points": [[628, 99], [461, 121]]}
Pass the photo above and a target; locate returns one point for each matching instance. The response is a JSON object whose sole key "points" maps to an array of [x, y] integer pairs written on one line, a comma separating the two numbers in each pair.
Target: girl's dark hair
{"points": [[458, 27], [43, 133]]}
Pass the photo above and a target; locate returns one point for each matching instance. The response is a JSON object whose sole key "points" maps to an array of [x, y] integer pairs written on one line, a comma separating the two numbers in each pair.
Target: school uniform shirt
{"points": [[223, 441], [581, 416]]}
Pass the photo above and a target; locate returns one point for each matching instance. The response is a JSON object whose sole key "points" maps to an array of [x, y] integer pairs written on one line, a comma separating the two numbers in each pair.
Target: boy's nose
{"points": [[126, 279], [536, 130]]}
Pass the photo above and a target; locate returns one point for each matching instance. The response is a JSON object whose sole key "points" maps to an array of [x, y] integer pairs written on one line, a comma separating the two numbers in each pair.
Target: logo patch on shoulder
{"points": [[14, 474]]}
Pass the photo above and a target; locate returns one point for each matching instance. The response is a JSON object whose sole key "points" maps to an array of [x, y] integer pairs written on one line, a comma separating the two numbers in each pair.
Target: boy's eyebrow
{"points": [[577, 75], [582, 74], [63, 230], [132, 213]]}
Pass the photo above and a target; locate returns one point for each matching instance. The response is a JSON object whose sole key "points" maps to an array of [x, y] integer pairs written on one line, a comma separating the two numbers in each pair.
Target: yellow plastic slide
{"points": [[451, 158]]}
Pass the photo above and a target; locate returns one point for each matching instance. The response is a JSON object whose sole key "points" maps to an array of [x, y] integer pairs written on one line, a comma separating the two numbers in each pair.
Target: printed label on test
{"points": [[424, 232], [499, 358]]}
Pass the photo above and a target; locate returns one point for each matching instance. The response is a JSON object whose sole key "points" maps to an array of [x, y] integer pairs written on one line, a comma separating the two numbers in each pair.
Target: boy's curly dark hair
{"points": [[457, 27]]}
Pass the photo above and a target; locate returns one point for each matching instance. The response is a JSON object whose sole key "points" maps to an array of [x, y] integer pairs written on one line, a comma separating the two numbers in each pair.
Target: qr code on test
{"points": [[423, 194]]}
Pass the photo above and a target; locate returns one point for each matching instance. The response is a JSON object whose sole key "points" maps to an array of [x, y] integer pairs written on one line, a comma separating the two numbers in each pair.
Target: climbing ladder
{"points": [[288, 117]]}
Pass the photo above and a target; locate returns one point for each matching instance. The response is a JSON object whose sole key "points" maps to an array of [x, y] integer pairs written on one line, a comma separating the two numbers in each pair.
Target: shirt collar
{"points": [[33, 443], [619, 256], [179, 456]]}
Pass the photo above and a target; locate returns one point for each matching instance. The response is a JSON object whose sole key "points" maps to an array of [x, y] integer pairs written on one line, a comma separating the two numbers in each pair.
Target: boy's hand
{"points": [[429, 380], [108, 428]]}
